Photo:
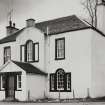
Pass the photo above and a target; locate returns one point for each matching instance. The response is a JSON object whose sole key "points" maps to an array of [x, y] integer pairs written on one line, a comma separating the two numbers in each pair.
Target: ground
{"points": [[80, 103]]}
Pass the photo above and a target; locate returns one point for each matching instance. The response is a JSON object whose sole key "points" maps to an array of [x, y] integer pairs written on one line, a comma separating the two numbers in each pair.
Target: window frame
{"points": [[33, 52], [5, 51], [19, 88], [60, 80], [56, 57], [52, 82], [26, 51], [37, 43], [1, 83], [65, 89], [68, 89], [22, 54]]}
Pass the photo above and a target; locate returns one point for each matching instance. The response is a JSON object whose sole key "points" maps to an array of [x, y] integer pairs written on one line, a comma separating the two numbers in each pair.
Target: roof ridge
{"points": [[57, 18]]}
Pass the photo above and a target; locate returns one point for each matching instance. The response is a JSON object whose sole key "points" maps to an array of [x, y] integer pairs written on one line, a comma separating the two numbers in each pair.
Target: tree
{"points": [[91, 7]]}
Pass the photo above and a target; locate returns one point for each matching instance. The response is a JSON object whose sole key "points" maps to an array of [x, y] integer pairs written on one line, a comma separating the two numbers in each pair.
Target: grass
{"points": [[51, 100]]}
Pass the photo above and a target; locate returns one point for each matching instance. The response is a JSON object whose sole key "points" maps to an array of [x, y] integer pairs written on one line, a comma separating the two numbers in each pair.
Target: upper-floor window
{"points": [[7, 54], [29, 50], [60, 48], [36, 52]]}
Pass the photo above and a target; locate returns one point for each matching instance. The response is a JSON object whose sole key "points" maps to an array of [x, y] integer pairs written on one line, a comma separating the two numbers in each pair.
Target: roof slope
{"points": [[29, 68], [11, 38], [56, 26], [60, 25]]}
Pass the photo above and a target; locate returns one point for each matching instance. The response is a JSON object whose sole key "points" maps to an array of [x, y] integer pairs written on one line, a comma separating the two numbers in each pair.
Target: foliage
{"points": [[91, 7]]}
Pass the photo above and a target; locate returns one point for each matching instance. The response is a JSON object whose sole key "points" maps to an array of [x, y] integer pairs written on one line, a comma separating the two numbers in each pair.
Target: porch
{"points": [[10, 82]]}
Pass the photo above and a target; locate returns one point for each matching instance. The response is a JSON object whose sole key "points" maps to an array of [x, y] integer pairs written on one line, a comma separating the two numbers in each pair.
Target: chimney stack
{"points": [[14, 25], [30, 23], [11, 28]]}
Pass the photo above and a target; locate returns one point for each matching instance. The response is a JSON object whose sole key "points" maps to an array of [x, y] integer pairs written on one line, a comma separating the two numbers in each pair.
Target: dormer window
{"points": [[7, 54], [29, 52]]}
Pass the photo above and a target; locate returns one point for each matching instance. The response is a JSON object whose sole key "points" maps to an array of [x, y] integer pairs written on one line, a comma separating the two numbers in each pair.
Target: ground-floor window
{"points": [[2, 82], [52, 81], [19, 82], [60, 81]]}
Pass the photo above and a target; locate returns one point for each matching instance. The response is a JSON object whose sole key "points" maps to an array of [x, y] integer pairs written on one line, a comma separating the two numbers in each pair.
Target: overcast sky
{"points": [[40, 10]]}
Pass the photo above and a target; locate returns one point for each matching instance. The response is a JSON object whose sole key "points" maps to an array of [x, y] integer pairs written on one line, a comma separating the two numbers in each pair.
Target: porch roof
{"points": [[29, 68]]}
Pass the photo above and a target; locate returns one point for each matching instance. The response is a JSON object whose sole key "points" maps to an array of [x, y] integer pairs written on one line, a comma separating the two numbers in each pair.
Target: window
{"points": [[7, 54], [60, 48], [60, 81], [52, 81], [2, 79], [22, 53], [69, 81], [19, 84], [36, 52], [29, 50]]}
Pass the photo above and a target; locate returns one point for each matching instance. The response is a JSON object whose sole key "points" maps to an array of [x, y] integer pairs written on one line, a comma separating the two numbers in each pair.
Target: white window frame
{"points": [[22, 53], [1, 78], [60, 80], [36, 51], [19, 88], [29, 46]]}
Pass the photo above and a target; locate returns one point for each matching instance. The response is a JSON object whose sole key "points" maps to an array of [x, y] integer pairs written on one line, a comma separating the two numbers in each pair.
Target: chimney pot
{"points": [[10, 23], [14, 25]]}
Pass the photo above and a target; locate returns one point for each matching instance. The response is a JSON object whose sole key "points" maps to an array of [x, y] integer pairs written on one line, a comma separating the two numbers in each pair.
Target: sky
{"points": [[40, 10]]}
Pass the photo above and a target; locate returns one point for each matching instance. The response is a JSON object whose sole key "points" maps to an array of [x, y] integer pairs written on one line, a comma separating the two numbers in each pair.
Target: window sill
{"points": [[60, 58], [31, 61], [60, 91], [19, 90]]}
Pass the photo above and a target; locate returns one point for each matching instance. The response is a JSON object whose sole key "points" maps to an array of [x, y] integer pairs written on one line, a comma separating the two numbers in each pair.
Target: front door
{"points": [[10, 91]]}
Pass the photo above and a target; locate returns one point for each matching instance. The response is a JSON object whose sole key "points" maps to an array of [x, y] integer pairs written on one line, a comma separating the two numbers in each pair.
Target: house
{"points": [[64, 58]]}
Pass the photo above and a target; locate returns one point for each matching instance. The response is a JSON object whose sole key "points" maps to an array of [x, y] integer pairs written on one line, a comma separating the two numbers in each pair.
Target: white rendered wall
{"points": [[36, 86], [77, 61], [31, 33], [98, 65]]}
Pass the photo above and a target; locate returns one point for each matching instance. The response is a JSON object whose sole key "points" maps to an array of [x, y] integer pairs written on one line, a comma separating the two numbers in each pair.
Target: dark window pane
{"points": [[7, 54]]}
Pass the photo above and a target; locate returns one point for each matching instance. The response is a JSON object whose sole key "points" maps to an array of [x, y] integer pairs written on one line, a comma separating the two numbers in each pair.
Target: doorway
{"points": [[10, 87]]}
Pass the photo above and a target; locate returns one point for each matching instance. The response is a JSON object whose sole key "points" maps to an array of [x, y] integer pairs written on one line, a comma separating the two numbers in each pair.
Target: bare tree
{"points": [[91, 7]]}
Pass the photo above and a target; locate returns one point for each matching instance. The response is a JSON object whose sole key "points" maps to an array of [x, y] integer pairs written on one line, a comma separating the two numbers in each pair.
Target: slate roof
{"points": [[29, 68], [61, 25], [11, 38], [56, 26]]}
